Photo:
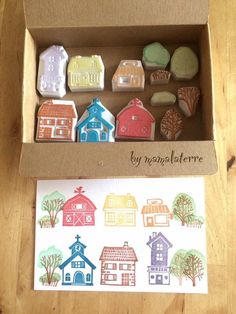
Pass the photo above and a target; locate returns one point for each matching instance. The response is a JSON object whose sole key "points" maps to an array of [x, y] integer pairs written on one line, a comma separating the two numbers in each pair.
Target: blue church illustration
{"points": [[97, 124], [77, 270]]}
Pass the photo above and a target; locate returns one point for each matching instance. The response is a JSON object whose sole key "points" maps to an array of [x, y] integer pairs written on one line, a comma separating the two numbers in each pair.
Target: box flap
{"points": [[95, 13]]}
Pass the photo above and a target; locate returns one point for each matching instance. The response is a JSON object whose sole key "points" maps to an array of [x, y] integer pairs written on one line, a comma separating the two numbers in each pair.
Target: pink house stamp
{"points": [[118, 266], [79, 210]]}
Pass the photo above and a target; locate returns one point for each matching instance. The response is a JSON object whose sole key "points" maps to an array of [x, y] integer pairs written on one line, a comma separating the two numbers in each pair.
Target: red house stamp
{"points": [[79, 210]]}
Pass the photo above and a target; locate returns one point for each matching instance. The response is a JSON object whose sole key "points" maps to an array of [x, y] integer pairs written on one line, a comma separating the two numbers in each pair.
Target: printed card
{"points": [[146, 235]]}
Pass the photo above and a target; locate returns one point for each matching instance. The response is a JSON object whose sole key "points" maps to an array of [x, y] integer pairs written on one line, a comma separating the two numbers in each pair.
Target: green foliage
{"points": [[188, 264], [55, 277], [183, 208], [50, 259], [178, 264], [53, 204]]}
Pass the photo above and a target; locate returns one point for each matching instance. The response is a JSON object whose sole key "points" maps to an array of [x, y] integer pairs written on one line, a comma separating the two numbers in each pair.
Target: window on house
{"points": [[88, 277], [67, 278], [79, 206], [124, 79], [124, 267], [159, 246], [83, 136], [134, 118], [94, 125], [159, 257], [104, 136], [110, 277], [112, 266], [129, 203], [80, 264], [111, 217], [130, 218], [50, 67]]}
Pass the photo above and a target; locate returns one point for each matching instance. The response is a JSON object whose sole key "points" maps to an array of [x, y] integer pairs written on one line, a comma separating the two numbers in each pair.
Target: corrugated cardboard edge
{"points": [[94, 13]]}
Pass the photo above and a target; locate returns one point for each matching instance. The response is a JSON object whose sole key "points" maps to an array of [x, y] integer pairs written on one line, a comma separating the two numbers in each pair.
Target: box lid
{"points": [[100, 13]]}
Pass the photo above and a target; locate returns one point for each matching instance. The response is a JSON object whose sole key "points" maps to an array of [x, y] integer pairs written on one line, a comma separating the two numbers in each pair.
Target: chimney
{"points": [[154, 234], [125, 244]]}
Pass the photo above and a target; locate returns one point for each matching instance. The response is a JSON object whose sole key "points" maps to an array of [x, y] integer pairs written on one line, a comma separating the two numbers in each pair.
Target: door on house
{"points": [[125, 279], [92, 136], [79, 278], [150, 221], [159, 279]]}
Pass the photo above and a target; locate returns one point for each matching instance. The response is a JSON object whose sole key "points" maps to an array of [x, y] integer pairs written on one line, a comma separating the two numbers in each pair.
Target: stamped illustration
{"points": [[79, 210], [120, 210], [159, 271], [189, 265], [77, 269], [156, 214], [184, 210], [51, 204], [50, 260], [118, 265]]}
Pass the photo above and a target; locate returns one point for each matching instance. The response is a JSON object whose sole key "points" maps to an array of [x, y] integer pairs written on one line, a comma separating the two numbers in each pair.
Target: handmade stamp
{"points": [[160, 77], [188, 98], [135, 122], [155, 56], [171, 125], [163, 98], [97, 124], [184, 64], [156, 214], [56, 121], [86, 73], [129, 76]]}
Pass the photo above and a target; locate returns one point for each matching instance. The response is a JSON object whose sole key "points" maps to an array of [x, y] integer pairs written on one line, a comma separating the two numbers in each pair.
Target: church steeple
{"points": [[77, 246]]}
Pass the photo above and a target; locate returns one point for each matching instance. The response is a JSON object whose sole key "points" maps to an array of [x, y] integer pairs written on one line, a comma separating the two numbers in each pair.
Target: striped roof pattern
{"points": [[124, 253]]}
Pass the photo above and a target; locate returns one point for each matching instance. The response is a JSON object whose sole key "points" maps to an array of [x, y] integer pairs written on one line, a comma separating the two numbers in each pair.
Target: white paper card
{"points": [[144, 235]]}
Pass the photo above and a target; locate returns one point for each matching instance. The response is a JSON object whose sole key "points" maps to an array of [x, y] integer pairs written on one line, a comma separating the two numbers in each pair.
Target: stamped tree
{"points": [[50, 260], [183, 208], [194, 266], [178, 264], [52, 204]]}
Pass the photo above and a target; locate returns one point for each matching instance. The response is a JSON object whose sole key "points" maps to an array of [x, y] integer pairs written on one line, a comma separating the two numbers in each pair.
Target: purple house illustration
{"points": [[159, 272]]}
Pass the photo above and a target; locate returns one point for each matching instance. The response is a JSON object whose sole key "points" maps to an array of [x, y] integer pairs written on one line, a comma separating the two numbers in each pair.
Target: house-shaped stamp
{"points": [[129, 76], [135, 122], [159, 271], [52, 72], [156, 214], [77, 270], [56, 121], [118, 266], [86, 73], [120, 210], [97, 124], [79, 210]]}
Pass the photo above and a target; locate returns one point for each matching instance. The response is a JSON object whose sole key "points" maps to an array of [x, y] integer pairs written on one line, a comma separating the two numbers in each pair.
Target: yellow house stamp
{"points": [[86, 73]]}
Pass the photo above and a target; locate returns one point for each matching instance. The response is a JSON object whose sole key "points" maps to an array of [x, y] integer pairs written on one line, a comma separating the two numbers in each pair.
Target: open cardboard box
{"points": [[118, 30]]}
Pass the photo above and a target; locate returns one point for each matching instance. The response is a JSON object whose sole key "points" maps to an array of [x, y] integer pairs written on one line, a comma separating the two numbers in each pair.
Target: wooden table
{"points": [[17, 201]]}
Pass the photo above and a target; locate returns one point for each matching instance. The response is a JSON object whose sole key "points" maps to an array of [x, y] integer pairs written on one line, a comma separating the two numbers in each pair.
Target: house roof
{"points": [[70, 259], [114, 201], [129, 67], [155, 237], [57, 109], [79, 198], [55, 49], [124, 253], [135, 107], [86, 63], [155, 206]]}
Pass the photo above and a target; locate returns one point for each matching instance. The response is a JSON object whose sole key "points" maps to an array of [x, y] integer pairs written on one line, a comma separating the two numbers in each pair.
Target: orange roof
{"points": [[49, 109], [155, 206]]}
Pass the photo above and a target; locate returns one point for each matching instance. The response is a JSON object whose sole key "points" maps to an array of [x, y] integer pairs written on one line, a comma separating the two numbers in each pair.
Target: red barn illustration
{"points": [[135, 122], [79, 210]]}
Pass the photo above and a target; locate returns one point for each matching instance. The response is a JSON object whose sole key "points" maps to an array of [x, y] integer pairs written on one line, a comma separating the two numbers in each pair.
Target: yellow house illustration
{"points": [[86, 73], [120, 210]]}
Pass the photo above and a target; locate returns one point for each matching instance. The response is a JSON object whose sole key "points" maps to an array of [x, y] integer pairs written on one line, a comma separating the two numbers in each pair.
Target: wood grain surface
{"points": [[17, 196]]}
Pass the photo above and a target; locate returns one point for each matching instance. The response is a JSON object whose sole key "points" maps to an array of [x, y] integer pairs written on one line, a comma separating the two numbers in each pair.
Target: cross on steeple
{"points": [[77, 238]]}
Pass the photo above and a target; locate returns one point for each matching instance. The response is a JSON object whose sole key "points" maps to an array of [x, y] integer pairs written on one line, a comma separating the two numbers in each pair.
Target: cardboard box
{"points": [[118, 30]]}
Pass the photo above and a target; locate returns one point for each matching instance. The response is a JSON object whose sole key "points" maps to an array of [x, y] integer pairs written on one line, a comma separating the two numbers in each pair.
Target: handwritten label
{"points": [[172, 158]]}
